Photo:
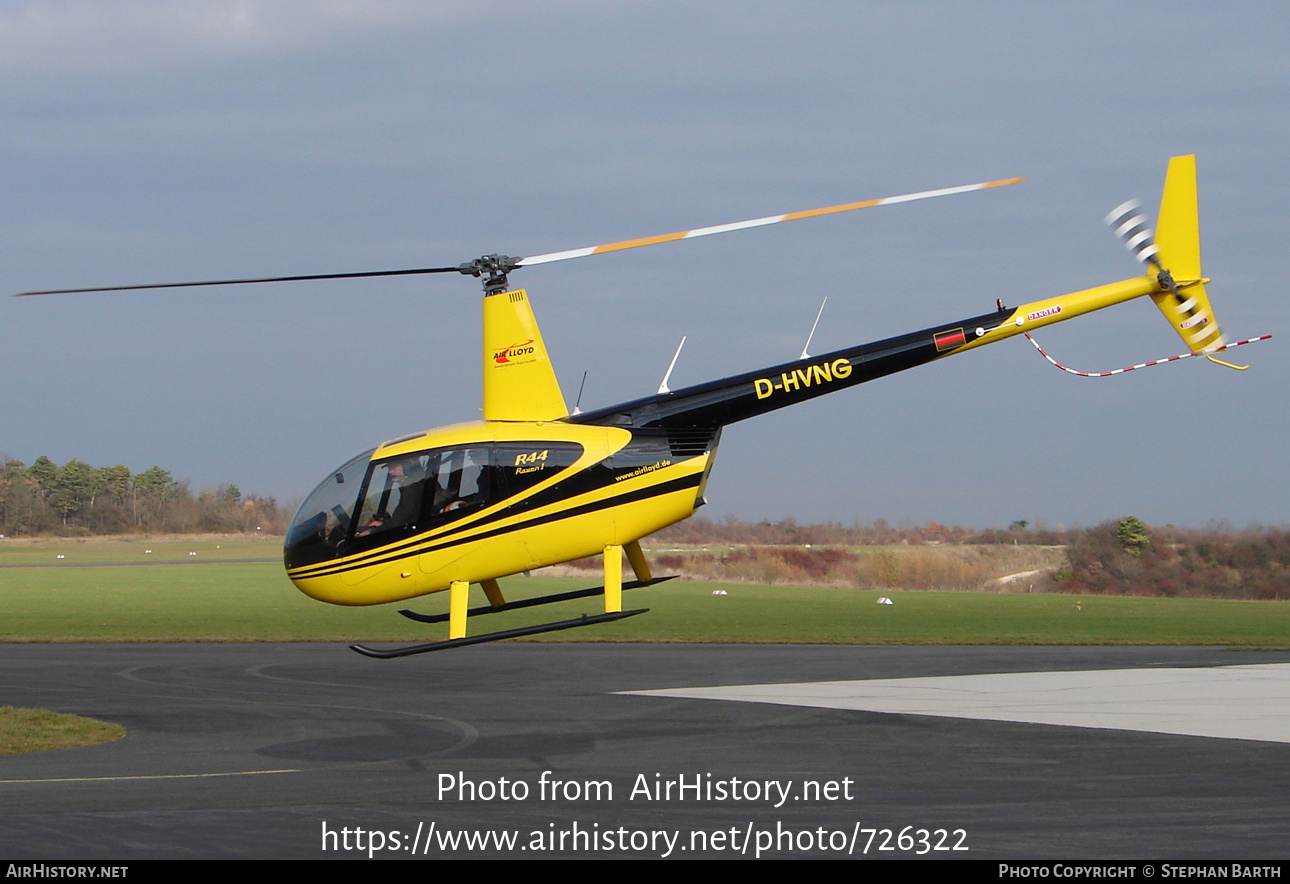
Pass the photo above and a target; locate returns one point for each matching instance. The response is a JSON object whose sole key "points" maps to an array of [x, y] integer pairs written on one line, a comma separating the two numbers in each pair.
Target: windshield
{"points": [[324, 519]]}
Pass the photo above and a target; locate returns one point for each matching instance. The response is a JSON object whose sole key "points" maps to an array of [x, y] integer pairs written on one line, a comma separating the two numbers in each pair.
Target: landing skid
{"points": [[532, 603], [584, 620], [458, 614]]}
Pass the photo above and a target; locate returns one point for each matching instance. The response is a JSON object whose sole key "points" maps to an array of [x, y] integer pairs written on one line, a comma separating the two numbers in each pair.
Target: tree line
{"points": [[1128, 557], [79, 499], [1123, 556]]}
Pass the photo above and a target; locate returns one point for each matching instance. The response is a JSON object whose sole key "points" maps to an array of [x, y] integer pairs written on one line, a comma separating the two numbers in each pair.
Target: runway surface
{"points": [[533, 750], [1233, 702]]}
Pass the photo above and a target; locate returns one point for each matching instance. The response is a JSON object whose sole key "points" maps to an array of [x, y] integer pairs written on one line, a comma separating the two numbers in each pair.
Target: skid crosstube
{"points": [[584, 620], [534, 602]]}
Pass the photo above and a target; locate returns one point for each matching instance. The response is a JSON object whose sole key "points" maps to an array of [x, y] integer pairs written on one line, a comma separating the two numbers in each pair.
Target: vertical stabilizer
{"points": [[1187, 305], [1178, 227], [519, 382]]}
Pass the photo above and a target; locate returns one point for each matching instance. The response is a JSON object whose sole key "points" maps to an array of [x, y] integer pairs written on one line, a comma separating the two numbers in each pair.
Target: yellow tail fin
{"points": [[1177, 265], [519, 382]]}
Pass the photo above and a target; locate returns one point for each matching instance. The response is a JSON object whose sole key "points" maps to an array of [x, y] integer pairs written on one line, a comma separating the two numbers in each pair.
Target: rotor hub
{"points": [[492, 269]]}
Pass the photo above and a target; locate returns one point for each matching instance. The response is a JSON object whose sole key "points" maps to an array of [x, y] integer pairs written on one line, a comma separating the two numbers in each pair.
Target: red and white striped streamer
{"points": [[1107, 374]]}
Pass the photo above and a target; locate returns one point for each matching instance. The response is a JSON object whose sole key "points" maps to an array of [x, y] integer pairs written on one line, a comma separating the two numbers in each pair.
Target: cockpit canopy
{"points": [[366, 504]]}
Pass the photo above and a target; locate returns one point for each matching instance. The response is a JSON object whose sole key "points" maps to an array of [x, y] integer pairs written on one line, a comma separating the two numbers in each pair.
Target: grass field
{"points": [[129, 548], [95, 593], [37, 730]]}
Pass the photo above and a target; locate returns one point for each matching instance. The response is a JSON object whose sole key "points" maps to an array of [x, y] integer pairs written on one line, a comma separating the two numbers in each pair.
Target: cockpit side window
{"points": [[407, 495], [521, 465], [393, 495], [462, 483]]}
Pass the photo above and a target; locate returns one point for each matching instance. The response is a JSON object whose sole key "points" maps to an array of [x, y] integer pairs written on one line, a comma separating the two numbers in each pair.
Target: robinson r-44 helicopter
{"points": [[533, 484]]}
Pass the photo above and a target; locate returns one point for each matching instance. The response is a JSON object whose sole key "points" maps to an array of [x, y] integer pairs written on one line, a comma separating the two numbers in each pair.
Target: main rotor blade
{"points": [[757, 222], [489, 262], [180, 285]]}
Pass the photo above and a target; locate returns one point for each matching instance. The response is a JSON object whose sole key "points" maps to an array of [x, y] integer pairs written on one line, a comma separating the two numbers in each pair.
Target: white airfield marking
{"points": [[1230, 702]]}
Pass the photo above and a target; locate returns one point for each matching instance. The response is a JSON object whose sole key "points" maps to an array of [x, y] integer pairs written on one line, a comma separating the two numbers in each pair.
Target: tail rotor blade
{"points": [[1131, 226]]}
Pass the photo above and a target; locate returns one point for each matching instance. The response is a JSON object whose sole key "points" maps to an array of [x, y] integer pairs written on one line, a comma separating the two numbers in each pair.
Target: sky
{"points": [[165, 141]]}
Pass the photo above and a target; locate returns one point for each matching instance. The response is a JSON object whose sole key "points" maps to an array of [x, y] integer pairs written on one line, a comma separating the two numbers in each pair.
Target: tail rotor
{"points": [[1171, 255], [1130, 224]]}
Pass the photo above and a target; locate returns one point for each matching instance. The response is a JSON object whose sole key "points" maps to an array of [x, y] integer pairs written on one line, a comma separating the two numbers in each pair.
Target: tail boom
{"points": [[727, 401], [1173, 282]]}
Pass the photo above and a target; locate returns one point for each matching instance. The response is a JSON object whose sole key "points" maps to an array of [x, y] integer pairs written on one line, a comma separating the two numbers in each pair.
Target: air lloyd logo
{"points": [[514, 351], [1047, 311], [1195, 320]]}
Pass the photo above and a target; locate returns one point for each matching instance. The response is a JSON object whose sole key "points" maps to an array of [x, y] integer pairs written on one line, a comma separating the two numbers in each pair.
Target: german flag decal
{"points": [[948, 340]]}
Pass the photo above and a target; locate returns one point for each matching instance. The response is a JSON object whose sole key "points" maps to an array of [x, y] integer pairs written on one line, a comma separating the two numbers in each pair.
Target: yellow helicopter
{"points": [[533, 484]]}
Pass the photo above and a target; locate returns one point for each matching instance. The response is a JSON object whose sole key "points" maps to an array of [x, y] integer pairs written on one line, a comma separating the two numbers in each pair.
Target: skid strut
{"points": [[534, 602], [458, 613]]}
